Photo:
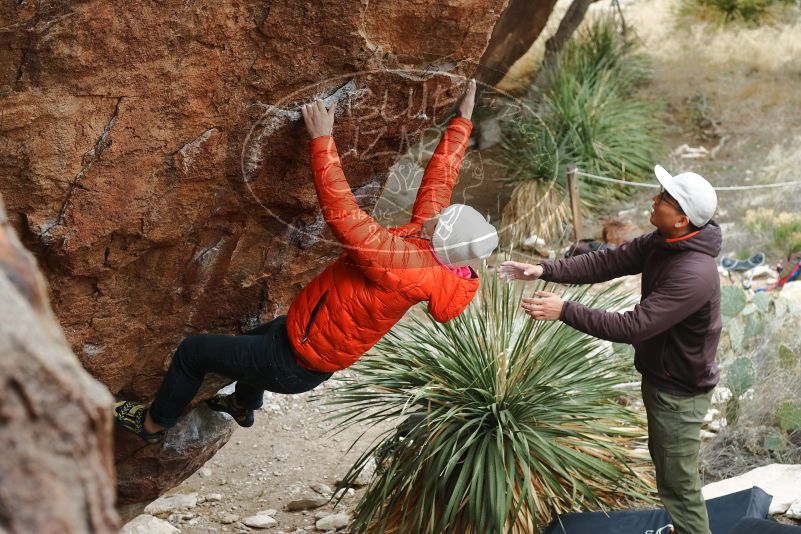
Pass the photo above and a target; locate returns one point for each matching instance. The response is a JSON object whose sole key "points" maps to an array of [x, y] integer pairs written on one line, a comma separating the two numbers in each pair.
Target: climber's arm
{"points": [[367, 243], [442, 170]]}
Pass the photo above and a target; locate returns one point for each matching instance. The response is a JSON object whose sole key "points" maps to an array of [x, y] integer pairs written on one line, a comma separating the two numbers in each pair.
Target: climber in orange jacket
{"points": [[354, 302]]}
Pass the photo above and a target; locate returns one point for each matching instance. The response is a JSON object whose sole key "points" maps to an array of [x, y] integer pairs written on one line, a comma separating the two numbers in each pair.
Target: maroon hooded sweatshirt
{"points": [[675, 328]]}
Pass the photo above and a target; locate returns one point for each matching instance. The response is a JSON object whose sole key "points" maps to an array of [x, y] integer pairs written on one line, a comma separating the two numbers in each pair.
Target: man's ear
{"points": [[683, 222]]}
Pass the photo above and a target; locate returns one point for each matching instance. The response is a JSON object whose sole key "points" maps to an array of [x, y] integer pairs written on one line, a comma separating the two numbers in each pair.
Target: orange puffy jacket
{"points": [[382, 272]]}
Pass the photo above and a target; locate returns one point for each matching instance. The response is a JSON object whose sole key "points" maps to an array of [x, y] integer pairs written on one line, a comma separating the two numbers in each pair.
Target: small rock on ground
{"points": [[306, 504], [333, 522], [227, 519], [147, 524], [170, 503], [259, 521]]}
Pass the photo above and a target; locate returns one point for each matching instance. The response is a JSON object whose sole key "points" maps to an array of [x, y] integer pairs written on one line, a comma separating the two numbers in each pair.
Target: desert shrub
{"points": [[727, 11], [781, 230], [495, 420], [760, 358], [534, 208], [587, 113]]}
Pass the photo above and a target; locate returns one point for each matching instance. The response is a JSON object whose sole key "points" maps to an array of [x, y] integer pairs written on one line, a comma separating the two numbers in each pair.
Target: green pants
{"points": [[674, 439]]}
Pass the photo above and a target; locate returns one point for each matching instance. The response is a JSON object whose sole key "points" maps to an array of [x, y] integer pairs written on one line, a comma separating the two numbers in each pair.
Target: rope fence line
{"points": [[656, 186]]}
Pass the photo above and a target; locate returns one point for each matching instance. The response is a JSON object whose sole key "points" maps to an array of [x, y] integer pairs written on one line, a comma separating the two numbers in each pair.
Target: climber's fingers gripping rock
{"points": [[468, 100], [319, 121]]}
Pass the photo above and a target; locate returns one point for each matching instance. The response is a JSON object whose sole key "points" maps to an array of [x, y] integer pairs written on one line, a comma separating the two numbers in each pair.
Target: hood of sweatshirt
{"points": [[708, 240]]}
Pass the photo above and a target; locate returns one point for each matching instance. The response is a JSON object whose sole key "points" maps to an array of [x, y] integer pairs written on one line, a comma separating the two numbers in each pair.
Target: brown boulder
{"points": [[617, 231], [55, 423], [154, 160]]}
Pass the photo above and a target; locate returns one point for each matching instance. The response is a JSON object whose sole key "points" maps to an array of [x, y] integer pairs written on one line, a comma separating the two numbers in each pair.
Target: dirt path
{"points": [[265, 467]]}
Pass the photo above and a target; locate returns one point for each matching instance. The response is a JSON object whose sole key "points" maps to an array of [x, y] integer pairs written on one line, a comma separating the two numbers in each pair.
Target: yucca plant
{"points": [[587, 114], [492, 422]]}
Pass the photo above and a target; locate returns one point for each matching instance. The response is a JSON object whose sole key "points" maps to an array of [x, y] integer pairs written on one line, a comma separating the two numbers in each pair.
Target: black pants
{"points": [[261, 359]]}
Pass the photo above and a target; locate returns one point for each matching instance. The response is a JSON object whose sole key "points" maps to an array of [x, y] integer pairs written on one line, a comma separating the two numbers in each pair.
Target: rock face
{"points": [[55, 423], [154, 160], [186, 447], [617, 231]]}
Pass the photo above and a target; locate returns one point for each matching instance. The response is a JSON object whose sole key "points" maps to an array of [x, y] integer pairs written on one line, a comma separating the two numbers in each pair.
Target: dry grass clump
{"points": [[767, 48], [782, 230], [535, 208]]}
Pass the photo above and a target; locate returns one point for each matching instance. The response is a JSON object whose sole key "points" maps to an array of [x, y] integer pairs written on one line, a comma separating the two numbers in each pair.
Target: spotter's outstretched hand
{"points": [[512, 270], [545, 306], [319, 121]]}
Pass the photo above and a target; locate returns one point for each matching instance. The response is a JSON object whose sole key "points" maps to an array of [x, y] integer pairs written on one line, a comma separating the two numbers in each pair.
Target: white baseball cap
{"points": [[694, 194]]}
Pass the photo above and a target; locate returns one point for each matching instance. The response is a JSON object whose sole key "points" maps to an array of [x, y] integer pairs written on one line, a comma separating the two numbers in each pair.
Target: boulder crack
{"points": [[89, 159]]}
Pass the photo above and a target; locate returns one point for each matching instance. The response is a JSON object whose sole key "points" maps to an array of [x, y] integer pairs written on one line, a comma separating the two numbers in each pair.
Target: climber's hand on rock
{"points": [[319, 121], [468, 100]]}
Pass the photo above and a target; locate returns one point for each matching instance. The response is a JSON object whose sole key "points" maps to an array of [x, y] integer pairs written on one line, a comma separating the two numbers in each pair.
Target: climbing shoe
{"points": [[131, 417], [225, 403]]}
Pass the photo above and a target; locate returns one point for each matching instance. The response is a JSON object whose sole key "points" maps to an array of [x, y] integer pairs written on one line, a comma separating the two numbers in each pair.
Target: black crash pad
{"points": [[763, 526], [724, 513]]}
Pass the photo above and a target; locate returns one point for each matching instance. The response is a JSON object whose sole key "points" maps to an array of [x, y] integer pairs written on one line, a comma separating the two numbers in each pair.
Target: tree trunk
{"points": [[519, 26], [570, 22]]}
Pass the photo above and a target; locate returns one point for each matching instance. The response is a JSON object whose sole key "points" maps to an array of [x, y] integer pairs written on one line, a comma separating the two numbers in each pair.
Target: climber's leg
{"points": [[131, 416], [237, 404], [262, 361], [236, 357], [281, 372], [258, 331], [248, 395]]}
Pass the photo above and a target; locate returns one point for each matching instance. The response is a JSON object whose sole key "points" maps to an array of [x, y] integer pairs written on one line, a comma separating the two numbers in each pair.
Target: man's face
{"points": [[666, 214]]}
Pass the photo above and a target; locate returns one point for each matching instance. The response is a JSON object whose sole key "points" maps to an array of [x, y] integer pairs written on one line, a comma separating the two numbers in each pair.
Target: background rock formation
{"points": [[153, 159], [55, 424]]}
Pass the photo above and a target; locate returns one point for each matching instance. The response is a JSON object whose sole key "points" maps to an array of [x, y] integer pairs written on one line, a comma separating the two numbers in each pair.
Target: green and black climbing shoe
{"points": [[225, 403], [131, 417]]}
